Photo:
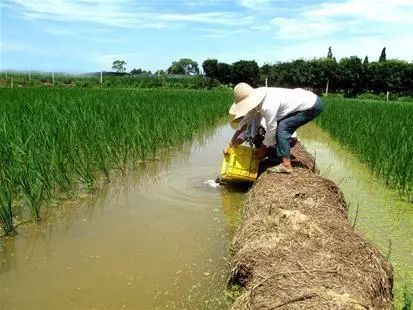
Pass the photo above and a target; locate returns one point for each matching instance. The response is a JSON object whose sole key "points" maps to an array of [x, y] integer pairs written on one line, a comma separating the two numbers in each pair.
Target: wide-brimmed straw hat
{"points": [[246, 98]]}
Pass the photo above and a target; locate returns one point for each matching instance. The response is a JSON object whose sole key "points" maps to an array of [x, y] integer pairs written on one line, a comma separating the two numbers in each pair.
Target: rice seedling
{"points": [[380, 133], [407, 299], [55, 142]]}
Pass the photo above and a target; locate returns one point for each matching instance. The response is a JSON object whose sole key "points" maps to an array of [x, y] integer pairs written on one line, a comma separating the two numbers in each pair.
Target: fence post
{"points": [[6, 74], [11, 83], [101, 77], [266, 81], [52, 77], [328, 84], [30, 75], [387, 96]]}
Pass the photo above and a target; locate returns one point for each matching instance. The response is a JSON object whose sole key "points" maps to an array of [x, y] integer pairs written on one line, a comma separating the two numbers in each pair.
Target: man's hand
{"points": [[261, 152], [226, 150]]}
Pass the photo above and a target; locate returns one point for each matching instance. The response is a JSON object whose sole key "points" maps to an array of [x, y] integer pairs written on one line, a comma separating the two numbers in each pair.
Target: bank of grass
{"points": [[63, 80], [54, 142], [380, 133]]}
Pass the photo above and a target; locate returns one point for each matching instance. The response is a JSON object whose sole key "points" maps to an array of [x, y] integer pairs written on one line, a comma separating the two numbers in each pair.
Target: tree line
{"points": [[350, 75]]}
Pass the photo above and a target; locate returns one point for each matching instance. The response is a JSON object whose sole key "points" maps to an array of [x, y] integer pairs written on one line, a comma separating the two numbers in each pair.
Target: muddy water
{"points": [[156, 238], [379, 212]]}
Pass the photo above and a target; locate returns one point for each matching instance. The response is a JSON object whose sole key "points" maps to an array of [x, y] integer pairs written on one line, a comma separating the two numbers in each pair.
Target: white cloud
{"points": [[292, 28], [254, 4], [216, 33], [347, 18], [395, 11], [121, 13]]}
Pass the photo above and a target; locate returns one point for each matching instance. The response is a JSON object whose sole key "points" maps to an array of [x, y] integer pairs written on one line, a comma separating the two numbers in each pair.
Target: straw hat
{"points": [[246, 99]]}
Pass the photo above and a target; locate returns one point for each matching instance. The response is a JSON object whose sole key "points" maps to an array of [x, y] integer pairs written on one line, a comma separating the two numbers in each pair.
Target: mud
{"points": [[297, 249]]}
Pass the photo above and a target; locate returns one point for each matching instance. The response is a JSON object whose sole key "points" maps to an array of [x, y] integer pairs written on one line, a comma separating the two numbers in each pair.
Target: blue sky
{"points": [[87, 35]]}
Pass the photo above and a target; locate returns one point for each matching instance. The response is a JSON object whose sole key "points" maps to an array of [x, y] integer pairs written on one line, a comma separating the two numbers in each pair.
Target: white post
{"points": [[266, 81], [30, 75], [101, 77], [52, 77], [328, 83], [11, 83], [6, 74], [387, 96], [159, 73]]}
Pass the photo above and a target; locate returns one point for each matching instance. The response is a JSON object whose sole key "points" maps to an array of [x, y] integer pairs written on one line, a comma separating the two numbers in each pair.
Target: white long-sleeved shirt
{"points": [[278, 103], [253, 121]]}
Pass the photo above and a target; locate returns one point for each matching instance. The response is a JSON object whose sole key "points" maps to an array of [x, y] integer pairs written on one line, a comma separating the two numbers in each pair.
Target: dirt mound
{"points": [[296, 248]]}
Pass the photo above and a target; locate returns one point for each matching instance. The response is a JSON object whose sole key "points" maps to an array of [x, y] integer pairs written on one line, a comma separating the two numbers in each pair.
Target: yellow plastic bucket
{"points": [[239, 165]]}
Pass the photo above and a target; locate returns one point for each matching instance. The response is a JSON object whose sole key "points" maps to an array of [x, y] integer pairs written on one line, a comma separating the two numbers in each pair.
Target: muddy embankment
{"points": [[297, 249]]}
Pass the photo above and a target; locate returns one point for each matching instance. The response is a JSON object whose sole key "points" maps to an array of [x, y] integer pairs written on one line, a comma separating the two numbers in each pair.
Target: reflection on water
{"points": [[156, 237], [382, 216]]}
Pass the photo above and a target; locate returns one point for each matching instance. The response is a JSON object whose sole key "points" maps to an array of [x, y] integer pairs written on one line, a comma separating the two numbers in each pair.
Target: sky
{"points": [[88, 35]]}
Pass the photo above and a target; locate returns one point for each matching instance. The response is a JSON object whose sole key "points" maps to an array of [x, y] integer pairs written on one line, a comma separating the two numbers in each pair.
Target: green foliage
{"points": [[407, 300], [55, 142], [350, 72], [245, 71], [232, 293], [119, 66], [110, 79], [350, 75], [383, 55], [185, 66], [210, 67], [224, 72], [330, 53], [379, 133]]}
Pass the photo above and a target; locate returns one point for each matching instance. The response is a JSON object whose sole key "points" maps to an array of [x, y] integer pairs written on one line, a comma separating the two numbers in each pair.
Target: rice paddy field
{"points": [[380, 133], [57, 142]]}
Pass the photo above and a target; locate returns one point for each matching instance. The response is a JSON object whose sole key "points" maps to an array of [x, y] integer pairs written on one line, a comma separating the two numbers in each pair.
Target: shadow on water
{"points": [[154, 238], [377, 211]]}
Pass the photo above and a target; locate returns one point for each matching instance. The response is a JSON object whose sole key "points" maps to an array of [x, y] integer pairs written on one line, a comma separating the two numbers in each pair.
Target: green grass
{"points": [[380, 133], [62, 80], [55, 142], [407, 300]]}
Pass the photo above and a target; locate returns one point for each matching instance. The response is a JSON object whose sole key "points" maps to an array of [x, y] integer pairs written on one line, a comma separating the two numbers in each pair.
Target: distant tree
{"points": [[350, 71], [210, 67], [383, 55], [119, 66], [136, 71], [330, 53], [224, 72], [366, 74], [245, 71], [366, 62], [184, 66], [160, 72], [266, 69]]}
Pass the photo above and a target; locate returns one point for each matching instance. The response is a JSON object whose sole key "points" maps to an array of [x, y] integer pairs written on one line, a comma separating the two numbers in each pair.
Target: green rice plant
{"points": [[380, 133], [407, 300], [6, 208], [55, 142]]}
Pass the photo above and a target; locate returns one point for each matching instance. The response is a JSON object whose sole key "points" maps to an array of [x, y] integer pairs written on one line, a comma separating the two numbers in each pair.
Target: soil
{"points": [[297, 249]]}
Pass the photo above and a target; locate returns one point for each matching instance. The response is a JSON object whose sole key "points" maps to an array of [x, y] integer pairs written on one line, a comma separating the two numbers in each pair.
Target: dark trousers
{"points": [[290, 123]]}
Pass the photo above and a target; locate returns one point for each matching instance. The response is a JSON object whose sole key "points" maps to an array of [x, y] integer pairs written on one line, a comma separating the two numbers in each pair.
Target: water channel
{"points": [[158, 237]]}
